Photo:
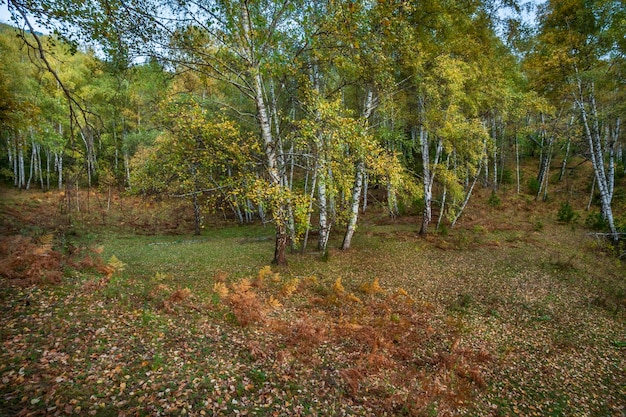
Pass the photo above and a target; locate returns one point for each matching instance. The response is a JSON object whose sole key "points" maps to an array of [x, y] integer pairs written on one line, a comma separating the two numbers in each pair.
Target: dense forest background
{"points": [[289, 111]]}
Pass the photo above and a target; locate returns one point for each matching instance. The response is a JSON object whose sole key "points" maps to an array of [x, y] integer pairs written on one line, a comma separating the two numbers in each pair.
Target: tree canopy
{"points": [[289, 111]]}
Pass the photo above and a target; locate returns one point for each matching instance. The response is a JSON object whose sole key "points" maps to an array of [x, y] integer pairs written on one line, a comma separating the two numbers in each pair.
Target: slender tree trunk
{"points": [[261, 211], [321, 175], [48, 157], [467, 197], [427, 213], [567, 149], [429, 178], [356, 197], [32, 167], [16, 173], [547, 175], [517, 165], [305, 238], [443, 206], [127, 169], [89, 150], [392, 200], [444, 196], [249, 211], [282, 164], [365, 188], [592, 132], [10, 151], [593, 190], [494, 135], [269, 144], [39, 170], [427, 171], [197, 218], [21, 171], [59, 161], [470, 189], [613, 137], [565, 158], [357, 189], [545, 171], [325, 223], [12, 159], [543, 159]]}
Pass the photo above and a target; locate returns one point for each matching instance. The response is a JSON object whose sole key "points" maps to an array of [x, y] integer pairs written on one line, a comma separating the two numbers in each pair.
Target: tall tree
{"points": [[577, 46]]}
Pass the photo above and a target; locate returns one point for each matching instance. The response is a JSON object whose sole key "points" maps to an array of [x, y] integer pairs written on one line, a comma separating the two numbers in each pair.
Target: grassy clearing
{"points": [[511, 314]]}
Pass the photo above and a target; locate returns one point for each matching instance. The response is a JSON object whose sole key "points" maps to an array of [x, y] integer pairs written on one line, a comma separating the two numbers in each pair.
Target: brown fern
{"points": [[245, 304]]}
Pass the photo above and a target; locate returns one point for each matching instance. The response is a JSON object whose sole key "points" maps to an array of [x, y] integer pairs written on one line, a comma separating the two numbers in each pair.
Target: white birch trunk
{"points": [[470, 189], [358, 181], [467, 198], [444, 196], [21, 171], [305, 239], [354, 209], [517, 166], [15, 164], [59, 161], [392, 200], [269, 144], [565, 158], [127, 170], [365, 188], [48, 158], [494, 135], [31, 168], [39, 170], [325, 223], [592, 132], [593, 190], [429, 177]]}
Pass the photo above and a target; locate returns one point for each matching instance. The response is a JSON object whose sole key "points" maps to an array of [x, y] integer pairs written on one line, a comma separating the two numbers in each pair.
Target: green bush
{"points": [[596, 221], [566, 213], [620, 170], [507, 177], [494, 200], [533, 186]]}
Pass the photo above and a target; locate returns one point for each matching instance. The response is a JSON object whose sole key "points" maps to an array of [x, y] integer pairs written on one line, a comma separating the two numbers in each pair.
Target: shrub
{"points": [[507, 177], [533, 186], [566, 213], [596, 221], [494, 200], [245, 304]]}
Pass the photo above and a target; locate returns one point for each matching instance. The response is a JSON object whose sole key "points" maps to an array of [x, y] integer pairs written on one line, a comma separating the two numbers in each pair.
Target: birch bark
{"points": [[589, 116], [358, 181]]}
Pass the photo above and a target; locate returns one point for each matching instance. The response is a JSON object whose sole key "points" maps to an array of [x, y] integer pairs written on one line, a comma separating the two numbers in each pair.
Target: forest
{"points": [[303, 207]]}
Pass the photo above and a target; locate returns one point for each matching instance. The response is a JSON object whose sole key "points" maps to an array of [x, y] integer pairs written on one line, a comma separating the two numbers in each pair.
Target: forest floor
{"points": [[114, 310]]}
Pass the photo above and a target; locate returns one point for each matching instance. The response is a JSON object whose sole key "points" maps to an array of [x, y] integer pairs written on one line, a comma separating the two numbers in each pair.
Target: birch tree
{"points": [[580, 43]]}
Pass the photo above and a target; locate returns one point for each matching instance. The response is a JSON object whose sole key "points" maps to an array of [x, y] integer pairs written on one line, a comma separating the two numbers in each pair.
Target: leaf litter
{"points": [[412, 333]]}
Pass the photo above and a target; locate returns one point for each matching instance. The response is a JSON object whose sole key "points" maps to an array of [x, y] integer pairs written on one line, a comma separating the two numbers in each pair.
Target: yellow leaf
{"points": [[290, 287], [352, 297], [338, 288], [116, 264], [273, 303], [242, 286], [373, 288]]}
